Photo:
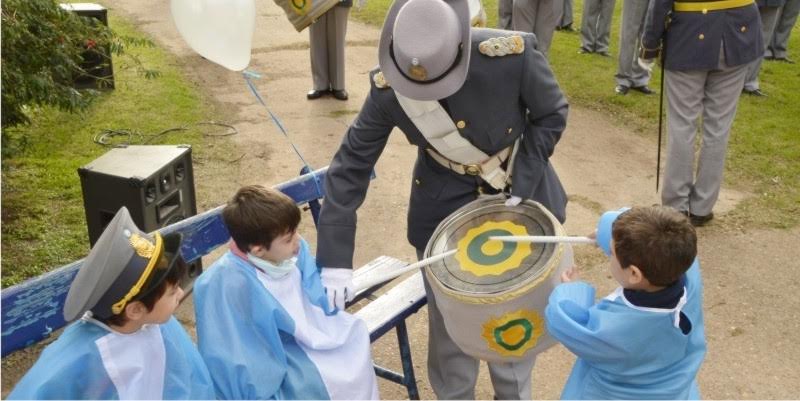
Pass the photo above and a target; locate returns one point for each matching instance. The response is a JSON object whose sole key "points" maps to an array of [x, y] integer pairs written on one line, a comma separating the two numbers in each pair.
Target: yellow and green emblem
{"points": [[301, 7], [480, 256], [514, 333]]}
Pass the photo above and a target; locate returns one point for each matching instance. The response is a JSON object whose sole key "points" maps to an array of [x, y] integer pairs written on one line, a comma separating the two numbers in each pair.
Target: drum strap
{"points": [[451, 149]]}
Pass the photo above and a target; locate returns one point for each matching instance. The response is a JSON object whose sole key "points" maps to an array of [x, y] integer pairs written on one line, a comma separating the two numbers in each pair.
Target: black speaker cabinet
{"points": [[93, 62], [155, 183]]}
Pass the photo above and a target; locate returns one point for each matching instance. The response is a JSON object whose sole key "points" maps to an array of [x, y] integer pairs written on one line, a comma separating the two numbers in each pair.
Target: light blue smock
{"points": [[73, 368]]}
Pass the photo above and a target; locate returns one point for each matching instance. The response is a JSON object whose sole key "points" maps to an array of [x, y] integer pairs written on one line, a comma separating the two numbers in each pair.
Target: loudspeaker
{"points": [[93, 63], [155, 183]]}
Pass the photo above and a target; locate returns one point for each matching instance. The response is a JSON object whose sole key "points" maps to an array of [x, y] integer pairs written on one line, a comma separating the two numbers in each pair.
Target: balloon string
{"points": [[248, 77]]}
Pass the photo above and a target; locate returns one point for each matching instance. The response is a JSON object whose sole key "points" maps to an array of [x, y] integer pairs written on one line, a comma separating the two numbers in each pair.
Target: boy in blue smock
{"points": [[646, 339], [264, 326], [126, 344]]}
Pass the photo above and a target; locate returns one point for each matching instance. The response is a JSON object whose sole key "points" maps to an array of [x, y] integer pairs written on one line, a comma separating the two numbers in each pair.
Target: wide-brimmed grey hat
{"points": [[425, 47], [124, 265]]}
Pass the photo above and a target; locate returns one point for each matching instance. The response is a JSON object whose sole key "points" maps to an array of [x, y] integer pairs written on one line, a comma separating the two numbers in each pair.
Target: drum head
{"points": [[489, 267]]}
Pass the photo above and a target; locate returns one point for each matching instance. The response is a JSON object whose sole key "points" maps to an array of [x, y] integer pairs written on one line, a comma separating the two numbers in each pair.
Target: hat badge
{"points": [[417, 71], [142, 246]]}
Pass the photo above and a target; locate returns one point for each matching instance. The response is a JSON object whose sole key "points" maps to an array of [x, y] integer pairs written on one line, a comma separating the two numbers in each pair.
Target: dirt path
{"points": [[751, 313]]}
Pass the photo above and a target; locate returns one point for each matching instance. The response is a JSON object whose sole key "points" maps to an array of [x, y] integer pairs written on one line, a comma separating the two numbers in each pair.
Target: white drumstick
{"points": [[546, 239], [360, 286]]}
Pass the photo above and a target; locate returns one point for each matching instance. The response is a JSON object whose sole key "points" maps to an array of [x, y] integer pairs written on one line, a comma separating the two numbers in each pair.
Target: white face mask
{"points": [[274, 271]]}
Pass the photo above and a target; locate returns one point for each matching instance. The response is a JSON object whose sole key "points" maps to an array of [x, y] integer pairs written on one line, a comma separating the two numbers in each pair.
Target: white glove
{"points": [[338, 285], [513, 200], [646, 64]]}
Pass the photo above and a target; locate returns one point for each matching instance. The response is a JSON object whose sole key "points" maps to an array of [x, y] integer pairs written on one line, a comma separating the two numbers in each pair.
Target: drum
{"points": [[302, 13], [492, 294]]}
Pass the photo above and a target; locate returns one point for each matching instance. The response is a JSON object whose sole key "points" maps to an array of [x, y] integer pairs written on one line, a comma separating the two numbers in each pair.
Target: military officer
{"points": [[630, 75], [327, 40], [770, 11], [471, 100], [703, 78], [540, 17], [776, 50]]}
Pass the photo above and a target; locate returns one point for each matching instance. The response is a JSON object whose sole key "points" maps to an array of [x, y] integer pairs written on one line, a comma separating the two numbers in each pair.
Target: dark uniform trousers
{"points": [[503, 99], [703, 78]]}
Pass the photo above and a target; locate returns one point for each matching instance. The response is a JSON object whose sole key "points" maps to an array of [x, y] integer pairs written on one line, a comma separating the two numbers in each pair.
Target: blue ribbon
{"points": [[248, 78]]}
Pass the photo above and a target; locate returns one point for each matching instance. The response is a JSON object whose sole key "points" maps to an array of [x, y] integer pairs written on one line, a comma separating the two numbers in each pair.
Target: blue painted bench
{"points": [[31, 311]]}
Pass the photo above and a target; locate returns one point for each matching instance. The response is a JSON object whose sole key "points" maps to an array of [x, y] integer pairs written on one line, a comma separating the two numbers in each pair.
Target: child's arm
{"points": [[573, 319]]}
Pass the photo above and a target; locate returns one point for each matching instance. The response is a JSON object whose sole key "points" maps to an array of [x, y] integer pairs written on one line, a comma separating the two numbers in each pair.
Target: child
{"points": [[262, 316], [645, 340], [126, 345]]}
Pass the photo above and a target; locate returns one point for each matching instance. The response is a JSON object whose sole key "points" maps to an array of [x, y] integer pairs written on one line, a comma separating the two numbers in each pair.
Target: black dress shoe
{"points": [[583, 50], [604, 53], [316, 94], [621, 90], [340, 94], [567, 28], [644, 89], [699, 221], [754, 92]]}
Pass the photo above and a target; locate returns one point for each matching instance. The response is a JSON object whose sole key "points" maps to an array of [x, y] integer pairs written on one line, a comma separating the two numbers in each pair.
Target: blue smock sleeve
{"points": [[573, 320]]}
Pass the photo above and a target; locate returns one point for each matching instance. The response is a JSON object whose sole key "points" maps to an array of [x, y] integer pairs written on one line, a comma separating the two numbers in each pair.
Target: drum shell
{"points": [[469, 318]]}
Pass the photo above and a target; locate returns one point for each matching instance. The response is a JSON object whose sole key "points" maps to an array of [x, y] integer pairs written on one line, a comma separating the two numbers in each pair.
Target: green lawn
{"points": [[764, 152], [43, 221]]}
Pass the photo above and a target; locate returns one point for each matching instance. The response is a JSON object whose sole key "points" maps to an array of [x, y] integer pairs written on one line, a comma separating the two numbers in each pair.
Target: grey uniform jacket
{"points": [[693, 39], [502, 99]]}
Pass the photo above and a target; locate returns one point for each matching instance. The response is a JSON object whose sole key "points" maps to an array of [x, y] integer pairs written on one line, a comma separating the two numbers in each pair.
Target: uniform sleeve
{"points": [[654, 26], [546, 121], [347, 181], [573, 319], [240, 346]]}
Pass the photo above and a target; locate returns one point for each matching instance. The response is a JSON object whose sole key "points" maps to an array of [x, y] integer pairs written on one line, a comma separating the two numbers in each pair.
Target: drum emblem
{"points": [[301, 7], [514, 333], [482, 257]]}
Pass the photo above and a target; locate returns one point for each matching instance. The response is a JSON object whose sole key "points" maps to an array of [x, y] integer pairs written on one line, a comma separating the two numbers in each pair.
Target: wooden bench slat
{"points": [[403, 300]]}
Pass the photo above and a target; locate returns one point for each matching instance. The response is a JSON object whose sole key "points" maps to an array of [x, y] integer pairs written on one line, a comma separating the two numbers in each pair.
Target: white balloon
{"points": [[219, 30]]}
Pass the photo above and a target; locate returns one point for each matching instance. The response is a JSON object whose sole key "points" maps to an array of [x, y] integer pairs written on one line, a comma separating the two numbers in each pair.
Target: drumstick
{"points": [[360, 286], [542, 239]]}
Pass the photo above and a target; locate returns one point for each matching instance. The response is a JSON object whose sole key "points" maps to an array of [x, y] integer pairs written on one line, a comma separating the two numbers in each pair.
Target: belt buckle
{"points": [[472, 169]]}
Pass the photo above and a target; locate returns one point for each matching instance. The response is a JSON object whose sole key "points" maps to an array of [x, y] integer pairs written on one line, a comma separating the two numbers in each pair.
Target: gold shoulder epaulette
{"points": [[501, 46], [380, 80]]}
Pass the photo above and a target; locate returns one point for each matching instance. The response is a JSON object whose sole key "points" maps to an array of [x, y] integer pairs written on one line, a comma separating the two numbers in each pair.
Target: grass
{"points": [[764, 147], [43, 220]]}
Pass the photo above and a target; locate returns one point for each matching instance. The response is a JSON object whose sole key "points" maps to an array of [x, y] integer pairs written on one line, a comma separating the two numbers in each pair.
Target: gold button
{"points": [[461, 124], [705, 11], [416, 181], [701, 36], [744, 28], [509, 130]]}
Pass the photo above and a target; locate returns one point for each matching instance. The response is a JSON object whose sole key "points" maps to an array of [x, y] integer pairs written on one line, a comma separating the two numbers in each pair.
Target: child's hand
{"points": [[570, 275], [593, 235]]}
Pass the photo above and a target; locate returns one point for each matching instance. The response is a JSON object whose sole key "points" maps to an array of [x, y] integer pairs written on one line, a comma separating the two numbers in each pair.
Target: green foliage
{"points": [[43, 49], [43, 220]]}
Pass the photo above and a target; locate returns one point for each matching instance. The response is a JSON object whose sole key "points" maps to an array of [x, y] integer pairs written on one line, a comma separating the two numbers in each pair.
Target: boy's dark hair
{"points": [[658, 240], [150, 298], [257, 215]]}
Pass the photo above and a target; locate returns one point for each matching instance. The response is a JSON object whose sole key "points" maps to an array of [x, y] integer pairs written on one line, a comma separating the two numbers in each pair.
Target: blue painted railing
{"points": [[32, 310]]}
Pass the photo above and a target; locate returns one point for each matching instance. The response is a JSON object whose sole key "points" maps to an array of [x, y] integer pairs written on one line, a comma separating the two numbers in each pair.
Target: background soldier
{"points": [[327, 40], [703, 78]]}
